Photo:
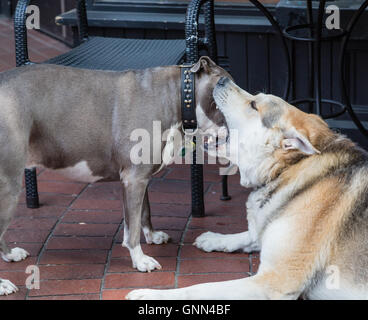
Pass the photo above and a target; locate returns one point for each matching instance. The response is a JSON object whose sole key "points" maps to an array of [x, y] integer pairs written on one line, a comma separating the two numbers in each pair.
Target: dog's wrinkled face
{"points": [[271, 133], [208, 74]]}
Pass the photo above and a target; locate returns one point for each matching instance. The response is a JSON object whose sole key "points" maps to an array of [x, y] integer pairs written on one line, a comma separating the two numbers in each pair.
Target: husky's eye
{"points": [[253, 105]]}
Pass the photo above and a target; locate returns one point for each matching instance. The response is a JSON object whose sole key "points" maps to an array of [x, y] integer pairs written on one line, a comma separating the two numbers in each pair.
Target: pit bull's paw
{"points": [[156, 237], [146, 264], [16, 254], [159, 237], [210, 241], [145, 294], [6, 287]]}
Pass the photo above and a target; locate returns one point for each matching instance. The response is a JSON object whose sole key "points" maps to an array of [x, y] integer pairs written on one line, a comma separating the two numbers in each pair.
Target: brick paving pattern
{"points": [[75, 237]]}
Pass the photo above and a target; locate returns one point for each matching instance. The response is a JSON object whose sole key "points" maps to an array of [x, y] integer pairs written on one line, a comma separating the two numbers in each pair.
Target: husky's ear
{"points": [[204, 63], [294, 140]]}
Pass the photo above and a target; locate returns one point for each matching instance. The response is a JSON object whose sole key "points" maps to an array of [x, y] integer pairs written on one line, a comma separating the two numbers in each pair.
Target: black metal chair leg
{"points": [[225, 194], [192, 56], [197, 187], [197, 190], [31, 188]]}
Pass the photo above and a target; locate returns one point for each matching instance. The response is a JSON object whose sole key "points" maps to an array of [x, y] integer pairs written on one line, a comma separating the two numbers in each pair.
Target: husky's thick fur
{"points": [[308, 213]]}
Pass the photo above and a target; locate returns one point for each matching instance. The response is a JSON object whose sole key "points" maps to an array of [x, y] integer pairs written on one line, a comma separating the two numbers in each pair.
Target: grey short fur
{"points": [[57, 116]]}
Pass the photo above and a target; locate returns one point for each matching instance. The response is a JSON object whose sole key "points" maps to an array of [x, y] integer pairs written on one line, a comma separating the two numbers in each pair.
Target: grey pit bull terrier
{"points": [[79, 122]]}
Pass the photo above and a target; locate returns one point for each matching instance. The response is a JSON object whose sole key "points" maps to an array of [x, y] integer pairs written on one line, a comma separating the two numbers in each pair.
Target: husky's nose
{"points": [[223, 81]]}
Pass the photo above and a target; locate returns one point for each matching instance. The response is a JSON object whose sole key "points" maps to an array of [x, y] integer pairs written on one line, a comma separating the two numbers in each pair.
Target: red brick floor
{"points": [[75, 237]]}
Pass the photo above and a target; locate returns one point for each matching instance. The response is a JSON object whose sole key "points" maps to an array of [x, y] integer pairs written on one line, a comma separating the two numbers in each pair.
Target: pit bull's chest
{"points": [[80, 172]]}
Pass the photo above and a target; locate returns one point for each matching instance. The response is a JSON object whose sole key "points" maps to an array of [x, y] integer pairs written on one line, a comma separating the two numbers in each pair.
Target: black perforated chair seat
{"points": [[118, 54]]}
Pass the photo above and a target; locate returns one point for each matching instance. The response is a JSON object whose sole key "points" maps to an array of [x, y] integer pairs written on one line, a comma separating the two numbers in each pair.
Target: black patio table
{"points": [[314, 36]]}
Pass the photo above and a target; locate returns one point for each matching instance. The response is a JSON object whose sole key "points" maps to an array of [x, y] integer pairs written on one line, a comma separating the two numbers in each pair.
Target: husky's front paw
{"points": [[211, 241], [6, 287], [16, 254]]}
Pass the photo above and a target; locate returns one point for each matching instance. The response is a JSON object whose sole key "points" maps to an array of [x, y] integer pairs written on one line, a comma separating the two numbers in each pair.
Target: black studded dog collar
{"points": [[188, 103]]}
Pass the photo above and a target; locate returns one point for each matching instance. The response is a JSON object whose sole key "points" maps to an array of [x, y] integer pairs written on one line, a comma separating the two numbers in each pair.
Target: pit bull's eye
{"points": [[253, 105]]}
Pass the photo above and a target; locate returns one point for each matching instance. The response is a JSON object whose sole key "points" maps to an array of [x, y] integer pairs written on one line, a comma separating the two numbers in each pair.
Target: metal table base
{"points": [[314, 39]]}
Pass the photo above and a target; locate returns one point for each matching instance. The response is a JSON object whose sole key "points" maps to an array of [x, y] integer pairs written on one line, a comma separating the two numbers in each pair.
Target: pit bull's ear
{"points": [[204, 63], [294, 140]]}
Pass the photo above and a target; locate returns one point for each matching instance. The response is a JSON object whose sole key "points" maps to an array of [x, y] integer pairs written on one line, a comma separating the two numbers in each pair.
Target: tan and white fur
{"points": [[307, 214]]}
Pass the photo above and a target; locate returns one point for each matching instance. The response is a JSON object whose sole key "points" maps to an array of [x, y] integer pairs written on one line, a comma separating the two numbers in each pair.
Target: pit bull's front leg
{"points": [[9, 192], [134, 189], [152, 236]]}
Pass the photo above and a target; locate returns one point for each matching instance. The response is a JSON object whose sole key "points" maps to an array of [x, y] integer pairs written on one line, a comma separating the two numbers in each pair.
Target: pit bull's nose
{"points": [[223, 81]]}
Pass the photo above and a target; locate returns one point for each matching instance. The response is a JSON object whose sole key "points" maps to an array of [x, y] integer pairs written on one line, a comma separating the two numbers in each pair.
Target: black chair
{"points": [[120, 54]]}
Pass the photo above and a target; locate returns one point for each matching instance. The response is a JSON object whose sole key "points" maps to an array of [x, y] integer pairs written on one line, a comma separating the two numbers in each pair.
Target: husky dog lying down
{"points": [[307, 214]]}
